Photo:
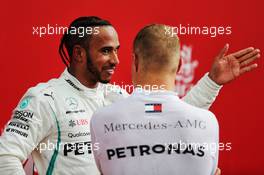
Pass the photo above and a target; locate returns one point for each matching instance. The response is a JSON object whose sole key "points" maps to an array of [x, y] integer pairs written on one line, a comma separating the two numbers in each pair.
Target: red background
{"points": [[27, 59]]}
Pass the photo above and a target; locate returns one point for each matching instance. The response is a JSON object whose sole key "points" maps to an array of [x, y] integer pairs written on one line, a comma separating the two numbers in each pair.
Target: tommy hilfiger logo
{"points": [[153, 107]]}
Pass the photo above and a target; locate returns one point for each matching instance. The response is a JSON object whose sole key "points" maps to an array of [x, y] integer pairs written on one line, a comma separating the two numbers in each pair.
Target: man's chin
{"points": [[105, 77], [105, 81]]}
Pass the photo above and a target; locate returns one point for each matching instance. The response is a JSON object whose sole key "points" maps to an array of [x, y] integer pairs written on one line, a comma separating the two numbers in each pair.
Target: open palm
{"points": [[229, 67]]}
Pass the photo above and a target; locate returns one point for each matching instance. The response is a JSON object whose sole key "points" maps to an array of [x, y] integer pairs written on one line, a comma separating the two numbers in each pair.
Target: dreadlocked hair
{"points": [[68, 39]]}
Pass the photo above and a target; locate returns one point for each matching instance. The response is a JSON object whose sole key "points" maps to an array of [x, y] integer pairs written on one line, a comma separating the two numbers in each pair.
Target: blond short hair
{"points": [[156, 49]]}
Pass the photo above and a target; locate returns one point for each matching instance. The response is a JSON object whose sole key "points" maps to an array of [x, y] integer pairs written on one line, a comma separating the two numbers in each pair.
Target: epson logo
{"points": [[27, 114]]}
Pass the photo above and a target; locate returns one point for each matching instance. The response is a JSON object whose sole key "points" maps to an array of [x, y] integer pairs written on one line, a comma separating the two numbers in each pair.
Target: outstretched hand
{"points": [[228, 67]]}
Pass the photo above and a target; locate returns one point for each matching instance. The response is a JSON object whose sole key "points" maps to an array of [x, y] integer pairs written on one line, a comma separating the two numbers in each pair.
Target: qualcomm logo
{"points": [[185, 76], [72, 103]]}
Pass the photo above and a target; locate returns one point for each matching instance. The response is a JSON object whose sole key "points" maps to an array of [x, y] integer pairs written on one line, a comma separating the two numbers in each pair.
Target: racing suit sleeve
{"points": [[203, 94], [28, 125]]}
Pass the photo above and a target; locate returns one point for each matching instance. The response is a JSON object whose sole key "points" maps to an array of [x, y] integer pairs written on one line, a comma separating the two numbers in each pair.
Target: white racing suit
{"points": [[52, 123]]}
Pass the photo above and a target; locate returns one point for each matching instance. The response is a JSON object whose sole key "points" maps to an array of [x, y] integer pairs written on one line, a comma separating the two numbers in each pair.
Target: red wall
{"points": [[27, 59]]}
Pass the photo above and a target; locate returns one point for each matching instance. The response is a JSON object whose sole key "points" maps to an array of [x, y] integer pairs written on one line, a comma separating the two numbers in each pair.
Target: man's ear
{"points": [[135, 61], [78, 53], [179, 66]]}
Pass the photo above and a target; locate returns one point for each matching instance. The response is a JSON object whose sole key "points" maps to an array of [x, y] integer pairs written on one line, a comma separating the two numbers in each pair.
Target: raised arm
{"points": [[225, 69]]}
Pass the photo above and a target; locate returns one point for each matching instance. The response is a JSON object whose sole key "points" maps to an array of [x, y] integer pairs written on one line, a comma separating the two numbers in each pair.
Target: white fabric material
{"points": [[50, 115], [131, 141], [63, 107], [203, 94]]}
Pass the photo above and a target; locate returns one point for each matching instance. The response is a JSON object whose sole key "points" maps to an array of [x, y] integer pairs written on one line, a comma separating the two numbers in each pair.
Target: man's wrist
{"points": [[210, 82]]}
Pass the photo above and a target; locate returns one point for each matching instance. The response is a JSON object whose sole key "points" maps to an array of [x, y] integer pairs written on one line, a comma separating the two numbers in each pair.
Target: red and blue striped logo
{"points": [[153, 107]]}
